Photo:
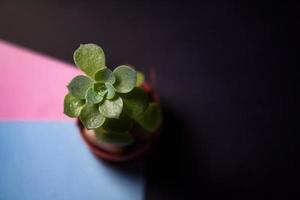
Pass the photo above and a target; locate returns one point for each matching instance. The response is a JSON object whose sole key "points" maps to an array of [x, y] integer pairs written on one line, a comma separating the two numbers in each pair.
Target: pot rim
{"points": [[118, 157]]}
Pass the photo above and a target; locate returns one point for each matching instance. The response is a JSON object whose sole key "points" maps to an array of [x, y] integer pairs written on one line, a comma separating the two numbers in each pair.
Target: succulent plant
{"points": [[109, 102]]}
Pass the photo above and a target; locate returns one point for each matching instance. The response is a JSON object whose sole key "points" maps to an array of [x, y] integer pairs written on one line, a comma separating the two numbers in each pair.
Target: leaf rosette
{"points": [[105, 99]]}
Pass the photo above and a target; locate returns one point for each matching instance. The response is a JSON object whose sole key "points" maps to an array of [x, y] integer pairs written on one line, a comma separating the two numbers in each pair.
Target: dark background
{"points": [[225, 74]]}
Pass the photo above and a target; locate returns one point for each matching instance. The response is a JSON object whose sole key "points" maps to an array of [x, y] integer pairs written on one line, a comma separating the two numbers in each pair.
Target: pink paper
{"points": [[32, 85]]}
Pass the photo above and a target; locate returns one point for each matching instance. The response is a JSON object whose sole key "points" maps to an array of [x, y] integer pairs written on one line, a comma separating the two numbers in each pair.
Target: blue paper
{"points": [[49, 160]]}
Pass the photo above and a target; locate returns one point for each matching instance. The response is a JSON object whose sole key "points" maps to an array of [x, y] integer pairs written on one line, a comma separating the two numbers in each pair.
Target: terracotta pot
{"points": [[117, 153]]}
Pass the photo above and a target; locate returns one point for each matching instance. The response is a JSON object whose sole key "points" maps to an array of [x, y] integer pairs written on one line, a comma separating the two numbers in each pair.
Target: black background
{"points": [[224, 71]]}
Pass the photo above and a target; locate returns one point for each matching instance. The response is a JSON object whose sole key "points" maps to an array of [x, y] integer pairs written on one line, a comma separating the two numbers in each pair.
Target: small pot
{"points": [[118, 153]]}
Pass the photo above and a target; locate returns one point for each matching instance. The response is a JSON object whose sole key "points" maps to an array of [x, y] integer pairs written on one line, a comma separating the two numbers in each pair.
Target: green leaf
{"points": [[90, 116], [135, 102], [105, 75], [89, 58], [93, 97], [125, 78], [140, 78], [119, 138], [100, 88], [72, 106], [79, 86], [123, 124], [151, 119], [111, 91], [111, 108]]}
